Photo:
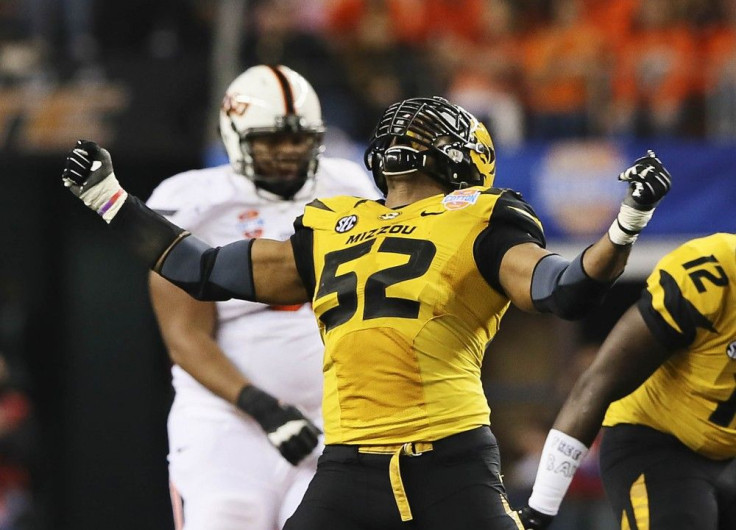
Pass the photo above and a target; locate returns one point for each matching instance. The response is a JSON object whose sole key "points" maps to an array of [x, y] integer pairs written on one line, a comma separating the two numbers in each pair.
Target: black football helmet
{"points": [[435, 136]]}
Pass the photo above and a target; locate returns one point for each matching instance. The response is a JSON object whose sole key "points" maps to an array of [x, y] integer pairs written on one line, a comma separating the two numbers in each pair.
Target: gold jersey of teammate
{"points": [[690, 305], [404, 310]]}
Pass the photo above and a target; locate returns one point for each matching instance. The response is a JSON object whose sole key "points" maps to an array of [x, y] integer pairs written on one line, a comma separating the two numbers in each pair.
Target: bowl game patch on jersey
{"points": [[459, 199], [250, 224]]}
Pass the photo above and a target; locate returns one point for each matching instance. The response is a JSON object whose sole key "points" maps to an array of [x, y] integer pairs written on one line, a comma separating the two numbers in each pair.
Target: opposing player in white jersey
{"points": [[248, 377]]}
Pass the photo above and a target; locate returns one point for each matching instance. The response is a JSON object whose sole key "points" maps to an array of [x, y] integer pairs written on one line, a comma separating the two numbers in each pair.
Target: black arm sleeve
{"points": [[144, 232], [512, 223], [205, 273]]}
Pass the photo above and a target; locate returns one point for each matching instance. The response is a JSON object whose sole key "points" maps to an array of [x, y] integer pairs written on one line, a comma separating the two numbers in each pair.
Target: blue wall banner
{"points": [[573, 186]]}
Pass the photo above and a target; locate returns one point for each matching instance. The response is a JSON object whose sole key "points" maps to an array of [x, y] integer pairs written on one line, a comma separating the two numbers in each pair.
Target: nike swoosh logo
{"points": [[431, 213]]}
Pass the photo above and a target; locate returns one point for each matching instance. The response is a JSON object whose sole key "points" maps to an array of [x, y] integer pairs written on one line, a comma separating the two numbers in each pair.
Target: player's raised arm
{"points": [[538, 280], [262, 270]]}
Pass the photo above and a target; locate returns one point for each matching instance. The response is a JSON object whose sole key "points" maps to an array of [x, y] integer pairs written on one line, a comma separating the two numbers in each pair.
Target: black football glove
{"points": [[531, 519], [648, 180], [287, 429], [86, 165], [89, 176]]}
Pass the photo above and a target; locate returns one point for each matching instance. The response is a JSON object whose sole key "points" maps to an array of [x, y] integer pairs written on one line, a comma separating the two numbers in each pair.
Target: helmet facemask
{"points": [[280, 161], [433, 136]]}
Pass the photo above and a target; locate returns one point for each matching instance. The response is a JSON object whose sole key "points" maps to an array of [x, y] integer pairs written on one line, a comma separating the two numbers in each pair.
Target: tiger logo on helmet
{"points": [[434, 136], [485, 159]]}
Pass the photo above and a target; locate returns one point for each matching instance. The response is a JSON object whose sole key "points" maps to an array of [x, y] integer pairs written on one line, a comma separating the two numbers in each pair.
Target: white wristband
{"points": [[560, 459], [105, 197], [628, 223], [633, 220], [619, 237]]}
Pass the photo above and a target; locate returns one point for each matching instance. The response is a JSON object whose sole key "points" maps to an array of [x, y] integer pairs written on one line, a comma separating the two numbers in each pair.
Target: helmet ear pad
{"points": [[395, 160], [403, 160], [375, 164]]}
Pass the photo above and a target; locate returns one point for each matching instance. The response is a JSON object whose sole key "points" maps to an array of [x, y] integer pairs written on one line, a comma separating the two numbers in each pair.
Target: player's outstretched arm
{"points": [[537, 280], [628, 356], [262, 270]]}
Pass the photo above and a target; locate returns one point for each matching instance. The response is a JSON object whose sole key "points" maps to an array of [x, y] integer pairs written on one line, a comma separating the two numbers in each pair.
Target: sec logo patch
{"points": [[346, 223], [731, 351]]}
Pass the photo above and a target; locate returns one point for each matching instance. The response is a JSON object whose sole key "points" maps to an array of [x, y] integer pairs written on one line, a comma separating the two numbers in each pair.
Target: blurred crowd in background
{"points": [[532, 69], [142, 75]]}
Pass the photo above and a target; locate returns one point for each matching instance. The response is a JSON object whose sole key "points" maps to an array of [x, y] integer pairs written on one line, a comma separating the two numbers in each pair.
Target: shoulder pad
{"points": [[509, 191], [324, 212], [511, 204]]}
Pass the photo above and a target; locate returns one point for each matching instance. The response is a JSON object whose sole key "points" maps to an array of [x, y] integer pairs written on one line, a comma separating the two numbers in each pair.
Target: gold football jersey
{"points": [[690, 305], [405, 313]]}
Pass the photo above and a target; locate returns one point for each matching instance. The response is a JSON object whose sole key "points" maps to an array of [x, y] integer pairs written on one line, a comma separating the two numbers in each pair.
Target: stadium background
{"points": [[557, 81]]}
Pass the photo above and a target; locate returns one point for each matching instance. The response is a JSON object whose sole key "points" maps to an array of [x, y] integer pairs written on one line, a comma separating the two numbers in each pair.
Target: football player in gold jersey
{"points": [[668, 371], [407, 292]]}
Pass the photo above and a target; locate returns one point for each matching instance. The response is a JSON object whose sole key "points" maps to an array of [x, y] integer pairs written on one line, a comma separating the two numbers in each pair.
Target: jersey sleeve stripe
{"points": [[683, 313]]}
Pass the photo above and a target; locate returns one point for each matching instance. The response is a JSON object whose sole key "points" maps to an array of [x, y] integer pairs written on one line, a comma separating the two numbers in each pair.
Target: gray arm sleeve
{"points": [[562, 287], [208, 273]]}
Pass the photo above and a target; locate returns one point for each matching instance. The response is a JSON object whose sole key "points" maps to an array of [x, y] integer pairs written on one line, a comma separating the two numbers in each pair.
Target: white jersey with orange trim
{"points": [[278, 348]]}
